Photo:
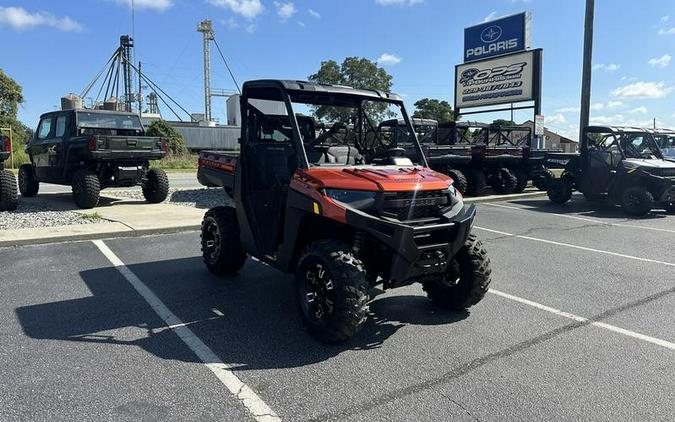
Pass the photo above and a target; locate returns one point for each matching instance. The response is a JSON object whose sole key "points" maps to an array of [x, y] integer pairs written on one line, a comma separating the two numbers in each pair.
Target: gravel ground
{"points": [[29, 216], [199, 198]]}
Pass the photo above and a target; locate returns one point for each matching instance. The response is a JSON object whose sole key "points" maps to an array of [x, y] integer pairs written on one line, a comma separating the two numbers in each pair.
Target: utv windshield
{"points": [[667, 143], [347, 131], [637, 145]]}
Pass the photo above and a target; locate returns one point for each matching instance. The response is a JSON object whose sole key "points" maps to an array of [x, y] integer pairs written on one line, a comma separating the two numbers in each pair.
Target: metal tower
{"points": [[126, 44], [206, 29]]}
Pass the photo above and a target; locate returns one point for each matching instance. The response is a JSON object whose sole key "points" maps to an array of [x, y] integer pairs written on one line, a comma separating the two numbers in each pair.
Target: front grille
{"points": [[413, 205], [663, 172]]}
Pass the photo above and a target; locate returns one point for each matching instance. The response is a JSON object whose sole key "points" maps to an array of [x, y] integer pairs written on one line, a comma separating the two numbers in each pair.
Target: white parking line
{"points": [[619, 330], [592, 220], [583, 248], [253, 403]]}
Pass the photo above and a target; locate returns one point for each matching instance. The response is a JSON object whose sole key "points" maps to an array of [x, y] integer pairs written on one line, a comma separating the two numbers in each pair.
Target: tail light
{"points": [[92, 143], [6, 144]]}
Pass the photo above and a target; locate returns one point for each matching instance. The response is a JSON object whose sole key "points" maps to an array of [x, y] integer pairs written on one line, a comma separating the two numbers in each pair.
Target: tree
{"points": [[431, 108], [358, 73], [11, 97], [503, 122], [162, 129]]}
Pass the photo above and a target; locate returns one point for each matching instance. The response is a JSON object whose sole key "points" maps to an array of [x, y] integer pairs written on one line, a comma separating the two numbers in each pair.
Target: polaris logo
{"points": [[491, 33], [492, 48]]}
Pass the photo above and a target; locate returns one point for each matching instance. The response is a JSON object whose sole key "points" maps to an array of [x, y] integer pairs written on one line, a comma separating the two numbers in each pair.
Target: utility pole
{"points": [[140, 92], [588, 64], [206, 29]]}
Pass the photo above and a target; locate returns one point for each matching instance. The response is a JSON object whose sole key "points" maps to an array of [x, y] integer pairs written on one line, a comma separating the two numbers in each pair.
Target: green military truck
{"points": [[8, 197], [91, 150]]}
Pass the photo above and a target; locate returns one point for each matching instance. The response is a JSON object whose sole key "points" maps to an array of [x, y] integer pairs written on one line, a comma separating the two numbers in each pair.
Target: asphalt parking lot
{"points": [[578, 325]]}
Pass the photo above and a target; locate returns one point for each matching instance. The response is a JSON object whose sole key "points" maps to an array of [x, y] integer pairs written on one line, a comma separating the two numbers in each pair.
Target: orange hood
{"points": [[378, 178]]}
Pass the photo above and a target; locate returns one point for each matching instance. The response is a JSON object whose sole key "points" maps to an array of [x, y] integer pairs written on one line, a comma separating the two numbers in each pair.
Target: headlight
{"points": [[359, 199]]}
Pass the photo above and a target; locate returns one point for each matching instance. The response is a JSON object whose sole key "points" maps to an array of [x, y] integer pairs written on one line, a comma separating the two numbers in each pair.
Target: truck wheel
{"points": [[86, 189], [221, 246], [476, 182], [458, 178], [156, 186], [466, 280], [521, 180], [28, 186], [504, 181], [542, 180], [559, 191], [637, 201], [8, 196], [332, 291]]}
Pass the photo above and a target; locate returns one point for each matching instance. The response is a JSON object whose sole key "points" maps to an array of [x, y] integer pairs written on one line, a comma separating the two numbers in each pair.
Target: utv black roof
{"points": [[89, 110], [307, 87]]}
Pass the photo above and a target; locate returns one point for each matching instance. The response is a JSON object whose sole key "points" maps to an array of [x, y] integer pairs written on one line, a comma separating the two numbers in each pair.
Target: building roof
{"points": [[548, 132]]}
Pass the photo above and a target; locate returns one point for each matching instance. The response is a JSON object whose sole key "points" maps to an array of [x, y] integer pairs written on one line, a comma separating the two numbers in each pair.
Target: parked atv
{"points": [[621, 164], [8, 195], [333, 202], [92, 150]]}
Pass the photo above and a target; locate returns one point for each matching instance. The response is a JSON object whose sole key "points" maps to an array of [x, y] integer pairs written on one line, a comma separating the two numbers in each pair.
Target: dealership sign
{"points": [[502, 80], [494, 38]]}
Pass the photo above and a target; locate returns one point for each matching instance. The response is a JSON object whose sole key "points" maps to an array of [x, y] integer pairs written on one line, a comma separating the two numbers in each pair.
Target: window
{"points": [[45, 128], [60, 126]]}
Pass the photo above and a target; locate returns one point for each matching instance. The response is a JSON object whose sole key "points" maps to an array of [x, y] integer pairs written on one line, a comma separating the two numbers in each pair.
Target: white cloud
{"points": [[246, 8], [314, 13], [158, 5], [643, 90], [597, 106], [388, 59], [664, 19], [398, 2], [607, 120], [556, 119], [491, 16], [285, 10], [669, 31], [611, 67], [638, 110], [20, 19], [568, 110], [301, 23], [662, 61], [614, 104]]}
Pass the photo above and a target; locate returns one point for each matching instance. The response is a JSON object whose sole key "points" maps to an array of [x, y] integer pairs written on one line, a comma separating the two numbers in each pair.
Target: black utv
{"points": [[621, 164], [91, 150], [8, 197]]}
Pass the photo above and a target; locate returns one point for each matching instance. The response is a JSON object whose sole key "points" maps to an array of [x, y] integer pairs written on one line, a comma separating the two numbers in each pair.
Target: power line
{"points": [[226, 65]]}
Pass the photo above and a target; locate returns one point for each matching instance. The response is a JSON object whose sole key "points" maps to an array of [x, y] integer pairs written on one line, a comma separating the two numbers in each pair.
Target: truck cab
{"points": [[92, 150]]}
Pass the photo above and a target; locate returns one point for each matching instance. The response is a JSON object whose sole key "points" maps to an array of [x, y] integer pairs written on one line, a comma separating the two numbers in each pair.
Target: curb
{"points": [[502, 198], [95, 235]]}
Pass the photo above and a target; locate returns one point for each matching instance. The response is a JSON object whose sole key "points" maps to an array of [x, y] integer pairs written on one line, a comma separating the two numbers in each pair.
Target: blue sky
{"points": [[53, 47]]}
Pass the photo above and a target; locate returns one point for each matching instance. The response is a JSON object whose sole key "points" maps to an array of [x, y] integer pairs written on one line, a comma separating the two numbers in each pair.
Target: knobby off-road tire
{"points": [[221, 245], [8, 197], [459, 179], [542, 180], [466, 280], [332, 291], [521, 180], [86, 189], [156, 186], [559, 191], [476, 182], [28, 186], [637, 201], [505, 181]]}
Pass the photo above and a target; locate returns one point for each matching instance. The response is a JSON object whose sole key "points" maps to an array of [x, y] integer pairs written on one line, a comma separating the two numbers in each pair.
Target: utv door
{"points": [[56, 156], [269, 159], [40, 147], [599, 162]]}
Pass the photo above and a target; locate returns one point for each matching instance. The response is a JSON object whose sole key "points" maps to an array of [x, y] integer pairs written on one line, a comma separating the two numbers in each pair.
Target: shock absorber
{"points": [[357, 243]]}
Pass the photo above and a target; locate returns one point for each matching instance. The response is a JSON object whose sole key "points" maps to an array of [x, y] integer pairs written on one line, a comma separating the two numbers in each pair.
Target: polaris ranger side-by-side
{"points": [[478, 155], [8, 195], [331, 201], [622, 164], [92, 150]]}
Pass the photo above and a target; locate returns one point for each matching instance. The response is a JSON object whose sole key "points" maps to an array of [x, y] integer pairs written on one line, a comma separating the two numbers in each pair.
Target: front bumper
{"points": [[417, 251]]}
